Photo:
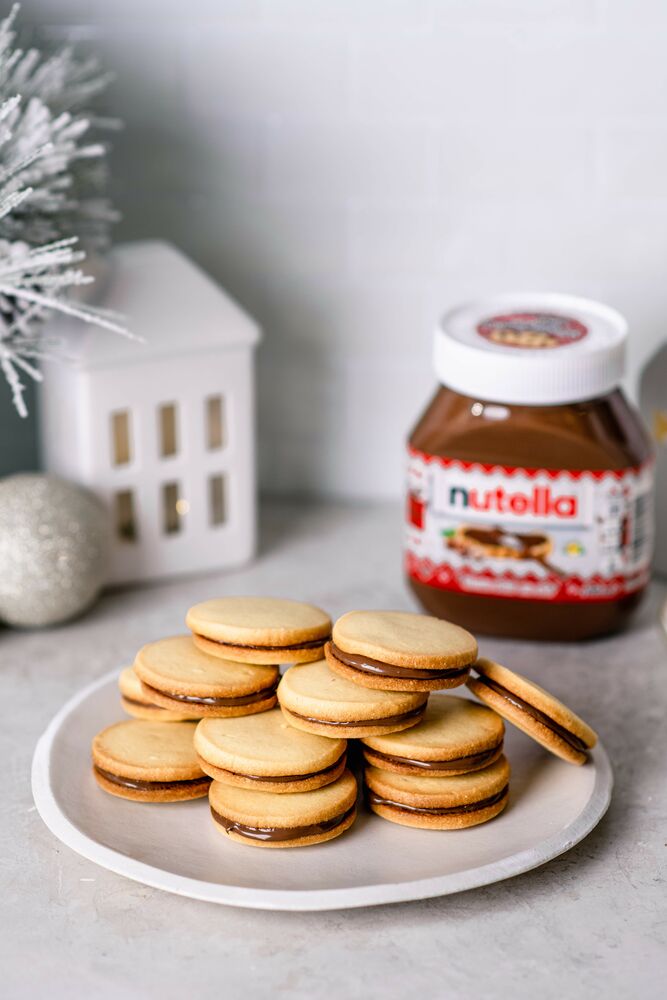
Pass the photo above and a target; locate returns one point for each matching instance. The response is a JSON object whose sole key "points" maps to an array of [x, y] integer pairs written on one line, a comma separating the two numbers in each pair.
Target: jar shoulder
{"points": [[605, 433]]}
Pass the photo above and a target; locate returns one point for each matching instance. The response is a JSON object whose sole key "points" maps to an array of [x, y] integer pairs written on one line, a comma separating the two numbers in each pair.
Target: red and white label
{"points": [[538, 534]]}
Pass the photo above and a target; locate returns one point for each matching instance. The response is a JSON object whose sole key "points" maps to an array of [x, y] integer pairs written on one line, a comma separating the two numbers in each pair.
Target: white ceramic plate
{"points": [[175, 847]]}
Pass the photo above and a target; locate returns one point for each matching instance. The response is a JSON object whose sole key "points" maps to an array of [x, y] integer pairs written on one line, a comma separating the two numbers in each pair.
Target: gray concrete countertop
{"points": [[592, 920]]}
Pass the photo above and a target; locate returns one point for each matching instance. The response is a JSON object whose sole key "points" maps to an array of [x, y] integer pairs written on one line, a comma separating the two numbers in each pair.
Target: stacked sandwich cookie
{"points": [[149, 761], [259, 629], [295, 819], [175, 674], [439, 803], [212, 717], [264, 753], [446, 773], [275, 786], [455, 736], [315, 699], [533, 710], [417, 772], [400, 651]]}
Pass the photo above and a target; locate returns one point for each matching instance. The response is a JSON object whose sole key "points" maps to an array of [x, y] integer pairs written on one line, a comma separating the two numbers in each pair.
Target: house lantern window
{"points": [[173, 508], [121, 438], [215, 423], [168, 430], [126, 523], [217, 500]]}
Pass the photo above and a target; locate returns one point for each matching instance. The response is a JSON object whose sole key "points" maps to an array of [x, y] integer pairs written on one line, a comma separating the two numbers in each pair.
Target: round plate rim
{"points": [[303, 899]]}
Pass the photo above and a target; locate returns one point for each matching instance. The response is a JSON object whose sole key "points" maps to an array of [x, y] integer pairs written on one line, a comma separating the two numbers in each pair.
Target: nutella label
{"points": [[532, 330], [536, 534]]}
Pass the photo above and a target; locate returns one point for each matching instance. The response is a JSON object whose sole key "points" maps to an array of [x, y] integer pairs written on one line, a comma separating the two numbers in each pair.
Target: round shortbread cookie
{"points": [[264, 752], [533, 710], [455, 736], [175, 674], [149, 761], [260, 629], [297, 819], [134, 701], [400, 651], [441, 803], [317, 700]]}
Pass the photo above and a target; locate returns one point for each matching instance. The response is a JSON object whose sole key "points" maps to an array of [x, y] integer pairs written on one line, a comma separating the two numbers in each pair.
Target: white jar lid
{"points": [[531, 349]]}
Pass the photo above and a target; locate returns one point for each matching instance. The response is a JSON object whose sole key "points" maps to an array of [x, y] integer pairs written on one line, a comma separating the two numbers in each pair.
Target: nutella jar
{"points": [[530, 476]]}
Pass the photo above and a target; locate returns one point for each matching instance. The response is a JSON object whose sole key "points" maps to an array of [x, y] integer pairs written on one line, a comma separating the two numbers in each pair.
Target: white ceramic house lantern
{"points": [[162, 431]]}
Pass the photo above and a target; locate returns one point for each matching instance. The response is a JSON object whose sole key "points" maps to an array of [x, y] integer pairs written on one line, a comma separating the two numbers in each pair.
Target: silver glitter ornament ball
{"points": [[53, 550]]}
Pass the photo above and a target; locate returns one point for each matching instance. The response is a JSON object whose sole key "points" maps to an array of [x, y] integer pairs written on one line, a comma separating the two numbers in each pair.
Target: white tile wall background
{"points": [[349, 168]]}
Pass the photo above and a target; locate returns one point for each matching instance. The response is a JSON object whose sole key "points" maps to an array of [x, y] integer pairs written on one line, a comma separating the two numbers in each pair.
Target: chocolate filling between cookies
{"points": [[367, 665], [308, 644], [278, 833], [453, 764], [570, 738], [151, 786], [282, 778], [414, 713], [378, 800], [191, 699]]}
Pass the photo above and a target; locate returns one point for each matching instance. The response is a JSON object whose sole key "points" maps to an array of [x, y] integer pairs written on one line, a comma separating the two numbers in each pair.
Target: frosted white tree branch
{"points": [[7, 362], [52, 176]]}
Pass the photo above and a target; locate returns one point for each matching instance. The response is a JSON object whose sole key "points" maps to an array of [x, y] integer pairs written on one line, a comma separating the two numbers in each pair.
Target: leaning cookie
{"points": [[317, 700], [149, 761], [263, 819], [444, 803], [533, 710], [135, 701], [175, 674], [260, 629], [455, 736], [265, 753], [400, 651]]}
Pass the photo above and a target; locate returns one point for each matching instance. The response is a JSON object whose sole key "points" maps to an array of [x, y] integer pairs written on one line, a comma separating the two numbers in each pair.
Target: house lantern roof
{"points": [[164, 298]]}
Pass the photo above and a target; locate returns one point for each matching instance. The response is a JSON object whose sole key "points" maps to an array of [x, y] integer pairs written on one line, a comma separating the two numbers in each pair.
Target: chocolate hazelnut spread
{"points": [[571, 738], [308, 644], [151, 786], [472, 761], [282, 778], [367, 665], [413, 713], [530, 475], [278, 833], [191, 699], [378, 800]]}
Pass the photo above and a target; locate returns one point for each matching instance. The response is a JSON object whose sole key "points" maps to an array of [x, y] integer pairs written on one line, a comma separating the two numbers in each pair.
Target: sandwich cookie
{"points": [[444, 803], [135, 701], [175, 674], [265, 753], [317, 700], [260, 629], [400, 651], [455, 736], [149, 761], [534, 710], [263, 819]]}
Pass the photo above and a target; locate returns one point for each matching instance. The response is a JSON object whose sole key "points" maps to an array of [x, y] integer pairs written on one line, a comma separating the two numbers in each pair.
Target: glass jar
{"points": [[529, 508]]}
